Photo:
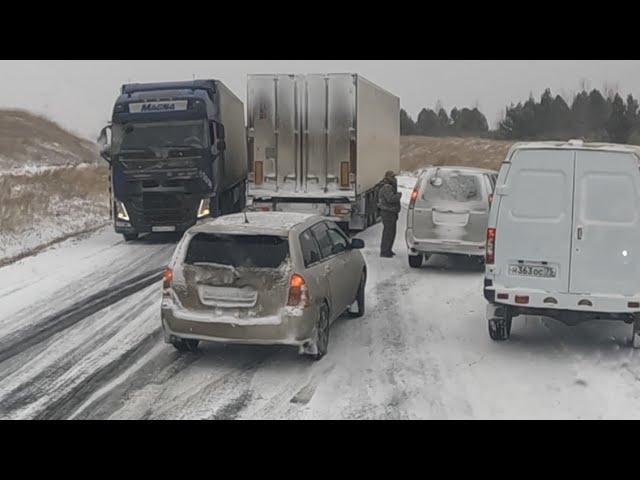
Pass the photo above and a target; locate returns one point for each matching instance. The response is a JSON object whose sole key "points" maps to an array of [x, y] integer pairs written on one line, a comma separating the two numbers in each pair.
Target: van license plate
{"points": [[539, 271], [163, 229]]}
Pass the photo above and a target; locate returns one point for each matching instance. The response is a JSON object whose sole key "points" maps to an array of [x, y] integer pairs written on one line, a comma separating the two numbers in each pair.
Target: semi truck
{"points": [[177, 153], [320, 143]]}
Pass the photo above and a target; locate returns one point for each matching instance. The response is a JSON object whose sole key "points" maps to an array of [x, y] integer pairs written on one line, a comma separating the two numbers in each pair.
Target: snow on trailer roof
{"points": [[275, 223]]}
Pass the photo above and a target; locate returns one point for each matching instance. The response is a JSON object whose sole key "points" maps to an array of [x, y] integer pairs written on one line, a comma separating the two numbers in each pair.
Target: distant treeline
{"points": [[590, 116]]}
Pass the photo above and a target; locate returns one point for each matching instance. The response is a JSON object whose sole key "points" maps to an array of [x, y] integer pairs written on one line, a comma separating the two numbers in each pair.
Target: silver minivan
{"points": [[268, 278], [448, 212], [563, 239]]}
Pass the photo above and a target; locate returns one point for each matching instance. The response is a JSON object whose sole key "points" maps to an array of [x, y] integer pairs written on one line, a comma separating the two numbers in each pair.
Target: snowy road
{"points": [[71, 346]]}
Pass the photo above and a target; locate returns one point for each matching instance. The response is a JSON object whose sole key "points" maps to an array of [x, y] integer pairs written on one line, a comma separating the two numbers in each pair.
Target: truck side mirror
{"points": [[220, 131], [105, 144]]}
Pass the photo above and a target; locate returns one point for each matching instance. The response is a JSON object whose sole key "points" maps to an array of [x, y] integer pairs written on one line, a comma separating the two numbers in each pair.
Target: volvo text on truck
{"points": [[320, 144], [177, 153]]}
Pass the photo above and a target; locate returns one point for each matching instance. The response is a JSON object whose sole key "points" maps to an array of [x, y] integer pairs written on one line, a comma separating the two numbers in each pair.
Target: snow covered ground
{"points": [[421, 351]]}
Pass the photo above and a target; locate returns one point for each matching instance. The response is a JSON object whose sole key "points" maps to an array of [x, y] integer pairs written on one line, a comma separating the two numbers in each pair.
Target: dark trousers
{"points": [[389, 220]]}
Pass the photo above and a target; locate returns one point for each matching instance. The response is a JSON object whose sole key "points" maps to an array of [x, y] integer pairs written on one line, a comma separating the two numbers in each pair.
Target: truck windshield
{"points": [[451, 186], [258, 251], [133, 136]]}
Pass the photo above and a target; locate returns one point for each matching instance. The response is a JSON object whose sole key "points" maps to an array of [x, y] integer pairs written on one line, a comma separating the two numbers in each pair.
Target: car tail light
{"points": [[491, 245], [490, 198], [414, 196], [167, 277], [298, 292], [341, 210]]}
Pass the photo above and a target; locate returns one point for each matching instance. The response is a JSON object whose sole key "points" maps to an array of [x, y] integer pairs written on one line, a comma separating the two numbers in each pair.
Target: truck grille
{"points": [[164, 209]]}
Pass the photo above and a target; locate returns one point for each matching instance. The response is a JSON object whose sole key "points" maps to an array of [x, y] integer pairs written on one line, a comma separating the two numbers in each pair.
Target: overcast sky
{"points": [[79, 94]]}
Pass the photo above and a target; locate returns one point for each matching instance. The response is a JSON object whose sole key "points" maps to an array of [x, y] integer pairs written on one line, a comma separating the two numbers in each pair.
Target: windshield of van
{"points": [[451, 186], [134, 136], [258, 251]]}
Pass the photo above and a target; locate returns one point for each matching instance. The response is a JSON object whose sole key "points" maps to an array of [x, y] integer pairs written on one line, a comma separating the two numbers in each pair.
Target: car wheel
{"points": [[635, 336], [360, 297], [128, 237], [322, 334], [415, 261], [186, 345]]}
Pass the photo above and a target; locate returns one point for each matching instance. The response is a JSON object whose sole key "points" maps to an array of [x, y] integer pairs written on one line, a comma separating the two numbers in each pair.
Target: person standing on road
{"points": [[389, 205]]}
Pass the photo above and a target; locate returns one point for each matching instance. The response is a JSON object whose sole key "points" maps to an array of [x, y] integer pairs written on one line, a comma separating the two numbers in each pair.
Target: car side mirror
{"points": [[357, 243], [221, 145]]}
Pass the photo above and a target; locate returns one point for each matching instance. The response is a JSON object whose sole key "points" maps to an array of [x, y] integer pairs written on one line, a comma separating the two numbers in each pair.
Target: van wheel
{"points": [[415, 261], [321, 341], [500, 327], [128, 237], [360, 297], [635, 336], [185, 345]]}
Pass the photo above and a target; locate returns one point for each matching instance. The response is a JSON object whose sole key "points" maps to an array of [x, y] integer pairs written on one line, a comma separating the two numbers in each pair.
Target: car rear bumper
{"points": [[289, 327], [423, 245]]}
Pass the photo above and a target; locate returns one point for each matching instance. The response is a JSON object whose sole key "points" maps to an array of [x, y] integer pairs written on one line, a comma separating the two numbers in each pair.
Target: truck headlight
{"points": [[121, 211], [203, 209]]}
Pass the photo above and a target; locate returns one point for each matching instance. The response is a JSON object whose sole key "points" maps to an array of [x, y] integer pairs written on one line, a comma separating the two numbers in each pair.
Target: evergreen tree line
{"points": [[590, 116]]}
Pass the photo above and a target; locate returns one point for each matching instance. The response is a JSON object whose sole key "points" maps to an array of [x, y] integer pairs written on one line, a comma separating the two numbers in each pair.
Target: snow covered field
{"points": [[71, 347]]}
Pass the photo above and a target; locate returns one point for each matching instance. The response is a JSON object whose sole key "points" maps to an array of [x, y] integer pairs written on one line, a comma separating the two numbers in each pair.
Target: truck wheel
{"points": [[415, 261], [185, 345], [635, 336], [128, 237], [360, 297], [500, 327]]}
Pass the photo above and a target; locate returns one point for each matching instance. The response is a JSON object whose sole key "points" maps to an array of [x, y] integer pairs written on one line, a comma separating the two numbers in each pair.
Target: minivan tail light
{"points": [[298, 292], [167, 277], [491, 246]]}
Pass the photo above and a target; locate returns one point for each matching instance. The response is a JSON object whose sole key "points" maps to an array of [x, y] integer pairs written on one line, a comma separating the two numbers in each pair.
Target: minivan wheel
{"points": [[500, 327], [128, 237], [322, 334], [185, 345], [415, 261], [360, 297], [635, 336]]}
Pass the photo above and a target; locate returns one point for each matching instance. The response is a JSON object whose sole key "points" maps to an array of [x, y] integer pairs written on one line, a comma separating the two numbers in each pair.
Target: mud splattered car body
{"points": [[261, 278]]}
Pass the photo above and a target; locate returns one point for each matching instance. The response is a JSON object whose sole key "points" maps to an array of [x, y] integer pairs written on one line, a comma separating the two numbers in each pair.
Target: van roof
{"points": [[574, 145], [269, 223], [462, 169]]}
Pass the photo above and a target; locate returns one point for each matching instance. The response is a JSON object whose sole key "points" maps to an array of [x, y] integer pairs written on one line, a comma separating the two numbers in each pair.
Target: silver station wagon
{"points": [[262, 278], [448, 212]]}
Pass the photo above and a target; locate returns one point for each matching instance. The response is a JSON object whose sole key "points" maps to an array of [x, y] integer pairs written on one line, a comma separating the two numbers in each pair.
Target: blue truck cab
{"points": [[177, 153]]}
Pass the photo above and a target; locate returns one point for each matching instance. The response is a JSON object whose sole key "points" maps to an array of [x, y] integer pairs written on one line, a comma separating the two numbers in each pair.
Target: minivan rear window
{"points": [[451, 186], [258, 251]]}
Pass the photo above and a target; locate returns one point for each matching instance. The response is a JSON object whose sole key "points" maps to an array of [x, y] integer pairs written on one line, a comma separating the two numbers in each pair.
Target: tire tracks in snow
{"points": [[23, 339]]}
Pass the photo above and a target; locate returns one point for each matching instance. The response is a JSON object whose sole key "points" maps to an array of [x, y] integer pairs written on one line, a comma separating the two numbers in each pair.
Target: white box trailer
{"points": [[320, 143]]}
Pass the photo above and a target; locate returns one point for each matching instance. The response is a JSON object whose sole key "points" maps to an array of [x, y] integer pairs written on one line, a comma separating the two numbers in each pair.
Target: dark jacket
{"points": [[388, 196]]}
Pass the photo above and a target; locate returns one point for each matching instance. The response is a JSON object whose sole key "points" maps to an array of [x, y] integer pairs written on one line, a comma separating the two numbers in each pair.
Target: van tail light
{"points": [[298, 292], [414, 196], [167, 277], [491, 246]]}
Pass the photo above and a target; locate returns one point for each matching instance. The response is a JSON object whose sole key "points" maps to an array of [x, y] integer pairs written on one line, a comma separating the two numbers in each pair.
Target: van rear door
{"points": [[605, 257], [534, 222]]}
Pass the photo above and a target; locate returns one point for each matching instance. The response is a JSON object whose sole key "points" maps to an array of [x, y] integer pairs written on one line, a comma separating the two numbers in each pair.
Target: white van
{"points": [[563, 238]]}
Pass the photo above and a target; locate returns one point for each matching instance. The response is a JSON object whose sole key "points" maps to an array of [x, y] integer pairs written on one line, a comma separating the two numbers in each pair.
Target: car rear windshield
{"points": [[258, 251], [451, 186]]}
